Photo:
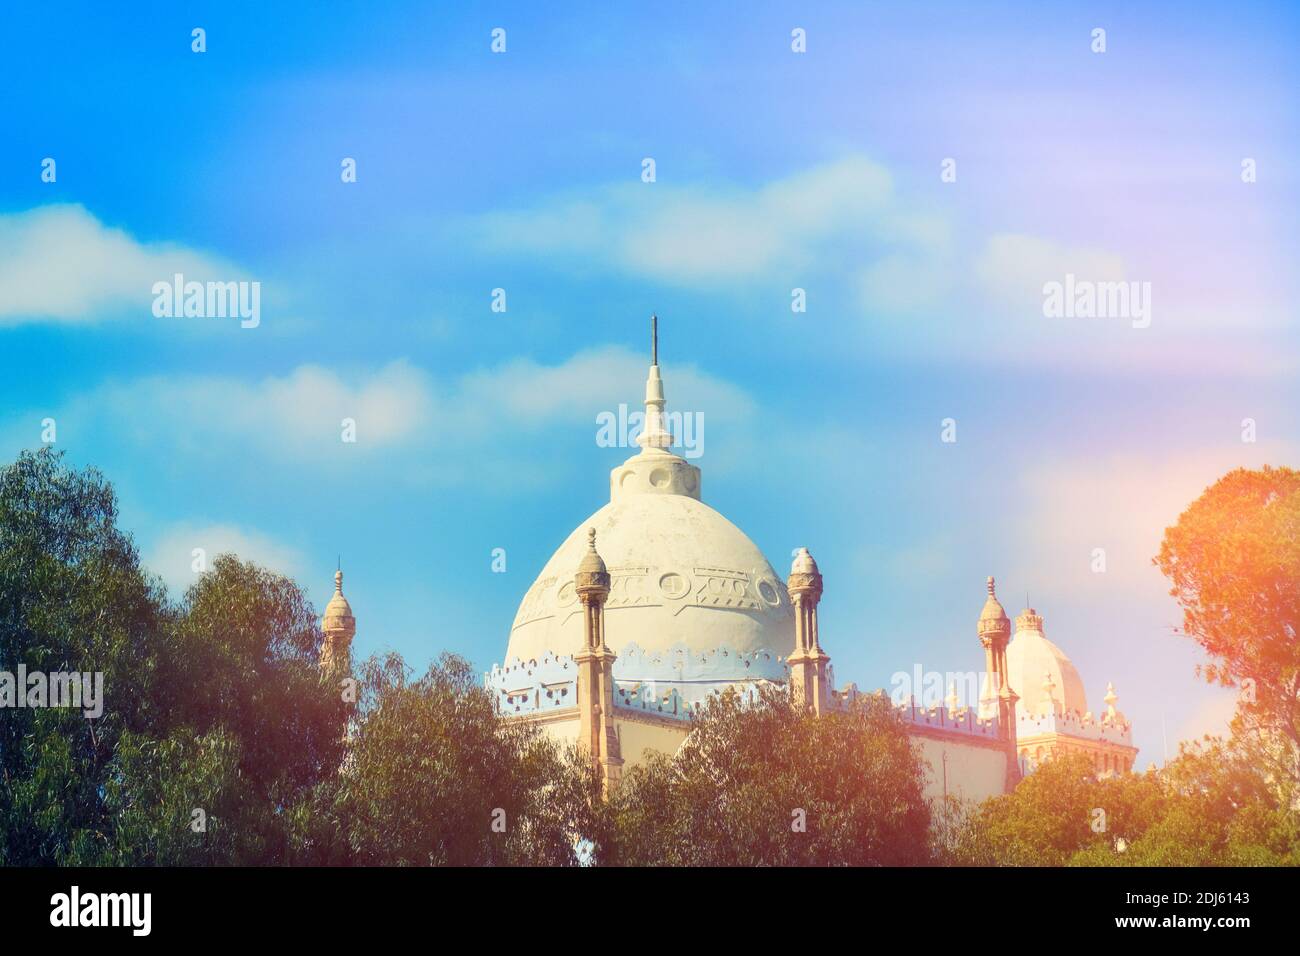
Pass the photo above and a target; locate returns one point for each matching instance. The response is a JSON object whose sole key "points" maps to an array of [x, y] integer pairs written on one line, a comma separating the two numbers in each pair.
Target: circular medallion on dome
{"points": [[674, 586], [768, 592]]}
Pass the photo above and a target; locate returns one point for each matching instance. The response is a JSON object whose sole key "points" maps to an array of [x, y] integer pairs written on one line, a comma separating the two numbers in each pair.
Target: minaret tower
{"points": [[340, 627], [595, 670], [994, 633], [808, 664]]}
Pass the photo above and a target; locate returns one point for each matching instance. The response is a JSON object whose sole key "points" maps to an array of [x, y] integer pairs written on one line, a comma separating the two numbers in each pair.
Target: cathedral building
{"points": [[656, 601]]}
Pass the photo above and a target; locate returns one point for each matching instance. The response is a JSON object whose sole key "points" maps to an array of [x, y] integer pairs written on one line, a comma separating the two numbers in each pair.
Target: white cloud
{"points": [[903, 283], [894, 272], [449, 430], [589, 382], [60, 263], [690, 234], [296, 415], [1014, 268], [890, 272], [172, 555]]}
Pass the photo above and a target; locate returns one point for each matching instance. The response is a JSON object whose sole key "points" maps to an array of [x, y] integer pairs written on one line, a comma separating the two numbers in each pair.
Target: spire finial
{"points": [[591, 539], [338, 581], [991, 587], [654, 434]]}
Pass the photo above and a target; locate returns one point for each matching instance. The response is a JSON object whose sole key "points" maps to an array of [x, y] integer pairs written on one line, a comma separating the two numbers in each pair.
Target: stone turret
{"points": [[809, 678], [994, 629], [595, 685], [340, 628]]}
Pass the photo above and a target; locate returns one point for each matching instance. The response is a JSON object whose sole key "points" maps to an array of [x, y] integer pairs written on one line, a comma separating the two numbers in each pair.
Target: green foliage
{"points": [[72, 598], [244, 658], [748, 775], [213, 705], [434, 778], [1234, 562], [1208, 807], [1050, 815], [154, 789]]}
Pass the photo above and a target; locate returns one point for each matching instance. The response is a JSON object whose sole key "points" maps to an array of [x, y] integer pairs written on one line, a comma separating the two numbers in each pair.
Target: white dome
{"points": [[682, 577], [681, 574], [1032, 659]]}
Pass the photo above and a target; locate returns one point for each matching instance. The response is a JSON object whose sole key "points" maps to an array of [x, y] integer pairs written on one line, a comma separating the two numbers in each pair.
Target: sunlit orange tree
{"points": [[1234, 562]]}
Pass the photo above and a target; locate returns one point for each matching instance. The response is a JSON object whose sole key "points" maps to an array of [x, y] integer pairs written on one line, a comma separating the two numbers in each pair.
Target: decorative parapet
{"points": [[534, 686], [1074, 724], [672, 682], [652, 699], [963, 720], [669, 701], [845, 695]]}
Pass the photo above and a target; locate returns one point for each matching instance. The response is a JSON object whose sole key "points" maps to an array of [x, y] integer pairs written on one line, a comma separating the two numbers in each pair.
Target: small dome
{"points": [[591, 562], [804, 563], [338, 612], [1035, 664], [993, 610]]}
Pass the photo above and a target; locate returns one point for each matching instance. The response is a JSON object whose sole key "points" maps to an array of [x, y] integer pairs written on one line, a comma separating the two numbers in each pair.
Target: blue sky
{"points": [[775, 170]]}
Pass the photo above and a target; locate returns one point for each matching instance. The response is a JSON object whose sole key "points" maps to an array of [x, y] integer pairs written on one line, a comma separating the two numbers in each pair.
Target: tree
{"points": [[1226, 811], [242, 662], [1058, 811], [219, 743], [1207, 807], [183, 801], [1234, 562], [433, 777], [768, 783], [73, 597], [212, 706]]}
